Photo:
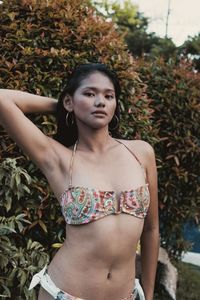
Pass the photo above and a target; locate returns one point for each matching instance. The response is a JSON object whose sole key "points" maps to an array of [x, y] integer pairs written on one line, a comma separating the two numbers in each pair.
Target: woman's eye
{"points": [[109, 96], [89, 94]]}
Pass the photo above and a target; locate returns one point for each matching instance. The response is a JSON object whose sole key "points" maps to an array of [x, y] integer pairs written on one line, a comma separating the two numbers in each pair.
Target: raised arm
{"points": [[13, 106], [150, 235]]}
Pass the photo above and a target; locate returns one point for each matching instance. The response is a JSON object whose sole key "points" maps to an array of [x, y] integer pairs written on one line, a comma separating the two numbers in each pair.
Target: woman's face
{"points": [[94, 102]]}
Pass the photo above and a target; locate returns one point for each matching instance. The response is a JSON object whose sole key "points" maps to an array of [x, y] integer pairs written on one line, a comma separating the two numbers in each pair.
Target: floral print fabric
{"points": [[82, 205]]}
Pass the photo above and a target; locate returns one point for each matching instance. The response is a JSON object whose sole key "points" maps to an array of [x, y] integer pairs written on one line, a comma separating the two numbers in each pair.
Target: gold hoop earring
{"points": [[116, 121], [69, 118]]}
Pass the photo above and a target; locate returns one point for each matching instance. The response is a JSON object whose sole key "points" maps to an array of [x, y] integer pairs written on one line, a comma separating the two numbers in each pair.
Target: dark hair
{"points": [[68, 134]]}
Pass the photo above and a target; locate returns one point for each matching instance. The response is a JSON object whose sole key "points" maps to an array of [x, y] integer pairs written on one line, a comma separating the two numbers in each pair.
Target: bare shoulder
{"points": [[142, 149]]}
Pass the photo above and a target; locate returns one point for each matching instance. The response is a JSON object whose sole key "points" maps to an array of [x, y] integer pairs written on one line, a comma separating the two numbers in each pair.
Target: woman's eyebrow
{"points": [[96, 89]]}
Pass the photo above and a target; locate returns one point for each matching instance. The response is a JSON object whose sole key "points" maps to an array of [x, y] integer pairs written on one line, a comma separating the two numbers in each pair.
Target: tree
{"points": [[129, 22], [133, 26], [191, 49], [165, 48]]}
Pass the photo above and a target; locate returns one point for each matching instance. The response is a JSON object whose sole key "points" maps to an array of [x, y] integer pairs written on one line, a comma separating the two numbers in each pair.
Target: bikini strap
{"points": [[72, 163], [142, 167]]}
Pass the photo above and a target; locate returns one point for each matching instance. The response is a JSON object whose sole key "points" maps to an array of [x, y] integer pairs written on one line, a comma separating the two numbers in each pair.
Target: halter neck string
{"points": [[72, 163]]}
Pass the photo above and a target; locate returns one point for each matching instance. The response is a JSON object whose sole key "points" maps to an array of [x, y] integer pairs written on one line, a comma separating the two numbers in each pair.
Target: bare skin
{"points": [[97, 260]]}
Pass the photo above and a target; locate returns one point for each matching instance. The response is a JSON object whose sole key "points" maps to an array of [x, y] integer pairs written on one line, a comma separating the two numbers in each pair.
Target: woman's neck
{"points": [[95, 140]]}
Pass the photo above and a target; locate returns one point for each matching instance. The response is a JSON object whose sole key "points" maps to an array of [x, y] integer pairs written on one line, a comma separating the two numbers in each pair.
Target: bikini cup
{"points": [[81, 205]]}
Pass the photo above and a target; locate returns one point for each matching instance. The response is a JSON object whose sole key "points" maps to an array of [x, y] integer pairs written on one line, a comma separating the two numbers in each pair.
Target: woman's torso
{"points": [[97, 259]]}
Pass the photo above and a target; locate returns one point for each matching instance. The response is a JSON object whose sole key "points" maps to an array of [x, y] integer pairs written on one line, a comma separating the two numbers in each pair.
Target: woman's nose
{"points": [[99, 101]]}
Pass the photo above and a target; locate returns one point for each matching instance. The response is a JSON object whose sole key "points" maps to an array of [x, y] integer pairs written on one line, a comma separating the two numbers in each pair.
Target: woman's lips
{"points": [[99, 113]]}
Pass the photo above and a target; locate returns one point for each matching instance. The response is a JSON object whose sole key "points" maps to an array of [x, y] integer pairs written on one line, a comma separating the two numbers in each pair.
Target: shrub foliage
{"points": [[175, 92]]}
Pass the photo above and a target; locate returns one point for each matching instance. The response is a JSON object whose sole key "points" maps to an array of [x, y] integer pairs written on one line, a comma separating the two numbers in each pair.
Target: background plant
{"points": [[175, 92]]}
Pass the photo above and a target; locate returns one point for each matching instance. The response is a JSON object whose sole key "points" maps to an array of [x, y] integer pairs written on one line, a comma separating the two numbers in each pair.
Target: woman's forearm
{"points": [[149, 257], [28, 103]]}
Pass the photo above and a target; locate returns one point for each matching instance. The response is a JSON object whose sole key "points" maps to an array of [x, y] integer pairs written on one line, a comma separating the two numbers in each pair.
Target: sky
{"points": [[184, 18]]}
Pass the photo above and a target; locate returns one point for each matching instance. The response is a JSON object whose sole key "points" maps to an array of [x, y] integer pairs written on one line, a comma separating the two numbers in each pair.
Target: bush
{"points": [[41, 42], [175, 93]]}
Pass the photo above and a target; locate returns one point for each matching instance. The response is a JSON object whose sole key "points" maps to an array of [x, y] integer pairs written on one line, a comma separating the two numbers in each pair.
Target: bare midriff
{"points": [[97, 260]]}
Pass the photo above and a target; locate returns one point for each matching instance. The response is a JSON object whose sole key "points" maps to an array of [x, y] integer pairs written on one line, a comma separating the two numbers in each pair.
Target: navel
{"points": [[109, 275]]}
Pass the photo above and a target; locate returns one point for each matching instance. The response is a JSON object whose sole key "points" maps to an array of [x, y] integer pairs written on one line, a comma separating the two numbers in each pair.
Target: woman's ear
{"points": [[67, 103]]}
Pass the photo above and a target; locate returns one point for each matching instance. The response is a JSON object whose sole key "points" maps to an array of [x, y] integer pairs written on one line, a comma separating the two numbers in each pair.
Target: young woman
{"points": [[107, 188]]}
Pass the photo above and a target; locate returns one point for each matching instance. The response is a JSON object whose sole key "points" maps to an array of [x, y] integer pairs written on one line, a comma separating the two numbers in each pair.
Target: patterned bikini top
{"points": [[82, 205]]}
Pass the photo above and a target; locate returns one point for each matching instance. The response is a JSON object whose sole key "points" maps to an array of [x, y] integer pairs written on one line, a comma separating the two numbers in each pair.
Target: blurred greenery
{"points": [[191, 49], [133, 25], [188, 287]]}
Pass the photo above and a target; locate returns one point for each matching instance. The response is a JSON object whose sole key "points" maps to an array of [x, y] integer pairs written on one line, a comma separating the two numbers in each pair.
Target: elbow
{"points": [[4, 96], [2, 101], [2, 93], [5, 101]]}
